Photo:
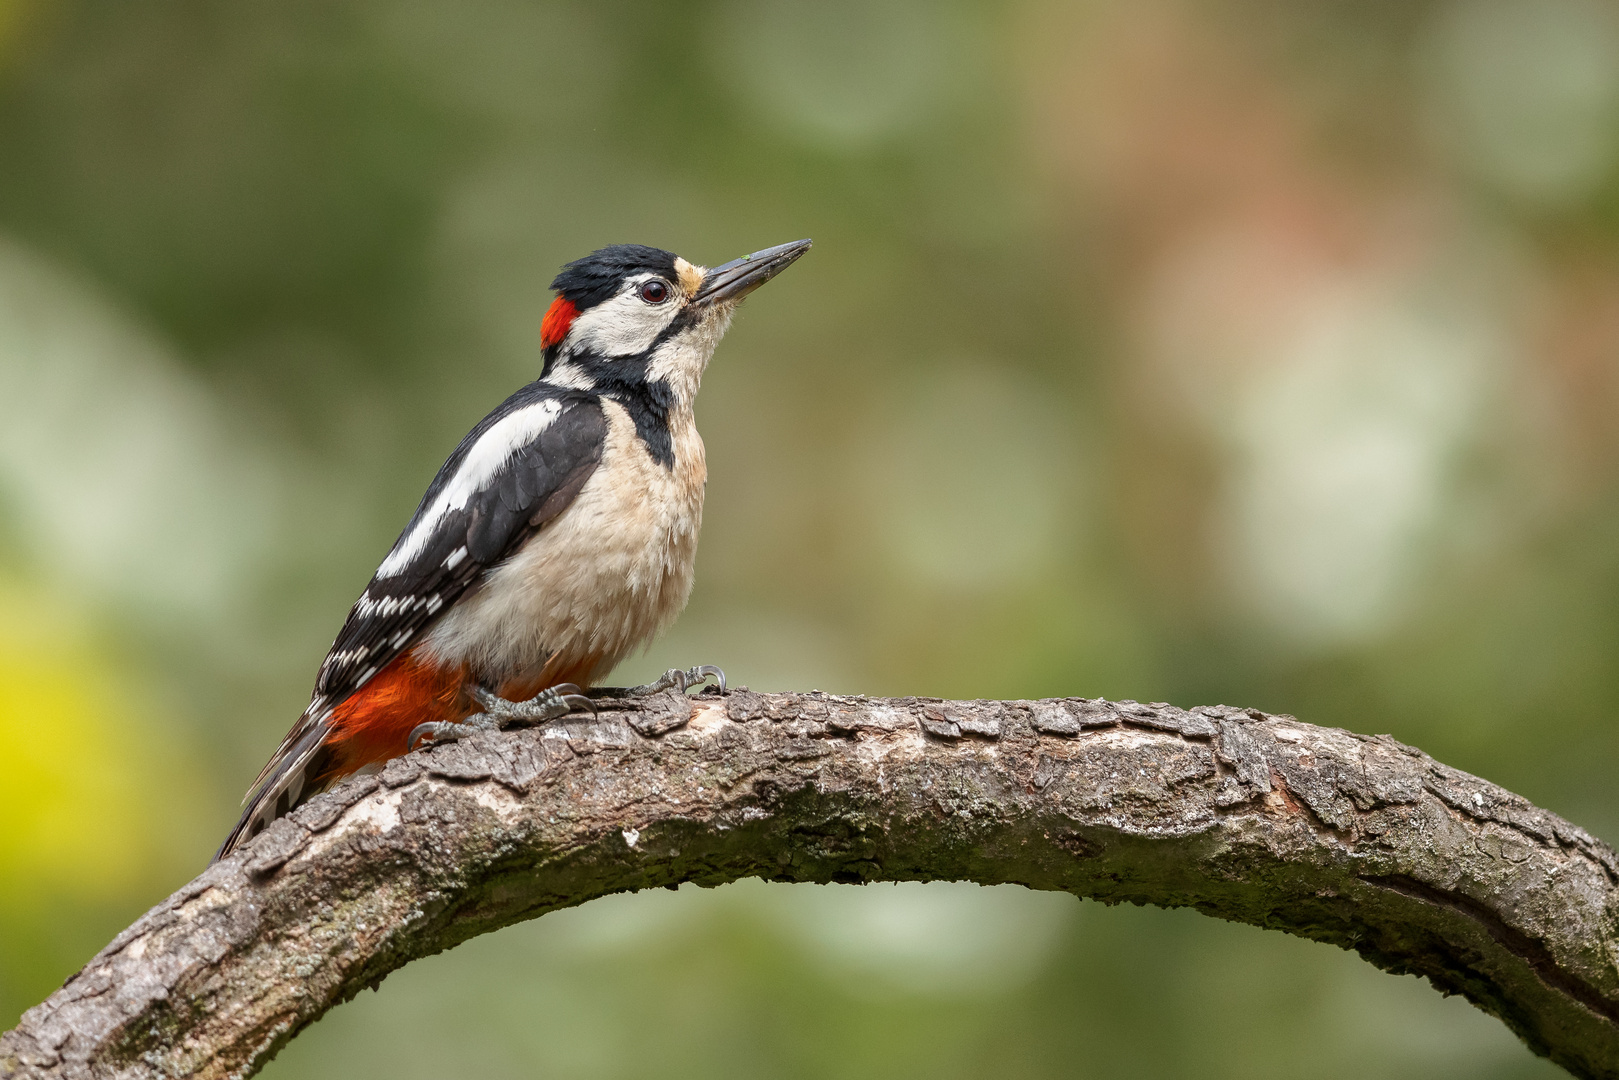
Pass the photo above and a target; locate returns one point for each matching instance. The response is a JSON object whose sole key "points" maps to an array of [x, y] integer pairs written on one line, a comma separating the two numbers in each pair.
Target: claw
{"points": [[499, 714], [704, 672], [677, 679], [433, 729], [568, 692]]}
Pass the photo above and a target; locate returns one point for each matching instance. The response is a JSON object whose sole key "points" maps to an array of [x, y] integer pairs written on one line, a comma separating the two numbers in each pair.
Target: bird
{"points": [[555, 540]]}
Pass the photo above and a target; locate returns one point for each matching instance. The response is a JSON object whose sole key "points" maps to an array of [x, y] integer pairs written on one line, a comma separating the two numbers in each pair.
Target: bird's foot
{"points": [[499, 714], [679, 679]]}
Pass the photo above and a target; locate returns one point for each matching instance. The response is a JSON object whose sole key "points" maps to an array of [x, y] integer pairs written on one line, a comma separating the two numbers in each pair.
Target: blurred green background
{"points": [[1241, 351]]}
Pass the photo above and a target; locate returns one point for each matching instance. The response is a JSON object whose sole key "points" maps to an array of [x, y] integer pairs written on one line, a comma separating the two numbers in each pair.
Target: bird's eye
{"points": [[654, 291]]}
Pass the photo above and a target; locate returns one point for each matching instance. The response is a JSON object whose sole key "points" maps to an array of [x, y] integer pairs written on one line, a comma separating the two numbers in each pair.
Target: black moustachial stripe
{"points": [[648, 405], [625, 379], [647, 400], [592, 280]]}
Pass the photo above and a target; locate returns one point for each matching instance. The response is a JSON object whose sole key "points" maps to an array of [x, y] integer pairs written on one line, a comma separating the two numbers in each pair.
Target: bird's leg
{"points": [[499, 714], [678, 679]]}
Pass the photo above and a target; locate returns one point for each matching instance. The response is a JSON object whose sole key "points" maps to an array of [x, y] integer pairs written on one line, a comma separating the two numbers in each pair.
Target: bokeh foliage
{"points": [[1233, 351]]}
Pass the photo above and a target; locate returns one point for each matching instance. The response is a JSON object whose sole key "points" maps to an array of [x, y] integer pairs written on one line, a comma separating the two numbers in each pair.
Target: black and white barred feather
{"points": [[519, 468]]}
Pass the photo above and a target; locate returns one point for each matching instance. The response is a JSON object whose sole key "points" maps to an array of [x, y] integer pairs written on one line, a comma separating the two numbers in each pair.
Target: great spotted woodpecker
{"points": [[557, 538]]}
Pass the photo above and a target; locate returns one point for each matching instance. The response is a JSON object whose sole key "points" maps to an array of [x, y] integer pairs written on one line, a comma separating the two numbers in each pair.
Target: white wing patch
{"points": [[492, 450]]}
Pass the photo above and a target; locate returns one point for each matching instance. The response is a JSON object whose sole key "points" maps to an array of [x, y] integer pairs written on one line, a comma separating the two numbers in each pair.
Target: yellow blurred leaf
{"points": [[77, 784]]}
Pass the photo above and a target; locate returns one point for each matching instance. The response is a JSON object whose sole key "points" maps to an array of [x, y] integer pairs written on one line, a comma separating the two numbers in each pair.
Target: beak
{"points": [[739, 277]]}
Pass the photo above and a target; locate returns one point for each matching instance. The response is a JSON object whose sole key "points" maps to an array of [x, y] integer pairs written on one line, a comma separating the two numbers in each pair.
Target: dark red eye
{"points": [[654, 291]]}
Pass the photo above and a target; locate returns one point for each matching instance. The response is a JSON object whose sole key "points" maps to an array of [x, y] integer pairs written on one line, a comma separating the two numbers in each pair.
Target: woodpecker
{"points": [[557, 538]]}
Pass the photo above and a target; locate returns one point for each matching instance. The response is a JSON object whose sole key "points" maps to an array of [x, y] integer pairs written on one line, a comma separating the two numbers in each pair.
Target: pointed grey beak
{"points": [[739, 277]]}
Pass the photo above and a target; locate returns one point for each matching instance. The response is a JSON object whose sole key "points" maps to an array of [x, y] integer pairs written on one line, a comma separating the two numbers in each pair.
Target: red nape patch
{"points": [[557, 320], [373, 723]]}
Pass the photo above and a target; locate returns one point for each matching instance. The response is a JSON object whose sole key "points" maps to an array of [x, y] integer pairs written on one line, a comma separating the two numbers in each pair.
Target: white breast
{"points": [[599, 581]]}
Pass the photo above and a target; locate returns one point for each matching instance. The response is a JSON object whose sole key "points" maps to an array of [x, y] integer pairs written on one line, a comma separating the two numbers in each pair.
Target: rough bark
{"points": [[1351, 839]]}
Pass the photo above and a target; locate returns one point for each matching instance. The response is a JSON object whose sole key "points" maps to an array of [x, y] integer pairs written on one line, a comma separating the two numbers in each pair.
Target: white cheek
{"points": [[622, 326]]}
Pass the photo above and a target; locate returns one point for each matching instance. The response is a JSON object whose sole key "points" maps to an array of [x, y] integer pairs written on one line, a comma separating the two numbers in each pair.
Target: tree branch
{"points": [[1352, 839]]}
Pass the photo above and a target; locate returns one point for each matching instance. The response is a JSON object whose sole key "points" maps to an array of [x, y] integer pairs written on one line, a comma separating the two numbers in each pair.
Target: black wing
{"points": [[535, 483], [517, 470]]}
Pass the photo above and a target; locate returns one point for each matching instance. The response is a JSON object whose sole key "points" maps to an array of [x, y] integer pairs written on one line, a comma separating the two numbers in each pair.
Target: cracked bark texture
{"points": [[1350, 839]]}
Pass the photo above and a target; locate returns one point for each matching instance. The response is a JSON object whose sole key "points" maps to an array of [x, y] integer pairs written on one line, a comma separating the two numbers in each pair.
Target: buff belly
{"points": [[596, 583]]}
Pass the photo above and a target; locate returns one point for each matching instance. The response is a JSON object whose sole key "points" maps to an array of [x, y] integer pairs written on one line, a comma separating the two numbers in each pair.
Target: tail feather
{"points": [[288, 781], [334, 738]]}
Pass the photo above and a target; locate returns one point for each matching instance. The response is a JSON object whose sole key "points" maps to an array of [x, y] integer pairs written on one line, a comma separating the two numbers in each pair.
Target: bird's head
{"points": [[630, 314]]}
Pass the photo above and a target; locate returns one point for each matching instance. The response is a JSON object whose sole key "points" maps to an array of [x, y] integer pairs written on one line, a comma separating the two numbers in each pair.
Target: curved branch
{"points": [[1352, 839]]}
